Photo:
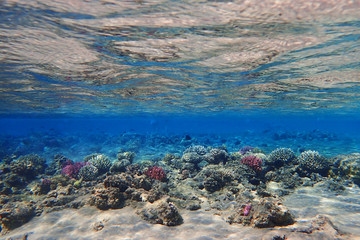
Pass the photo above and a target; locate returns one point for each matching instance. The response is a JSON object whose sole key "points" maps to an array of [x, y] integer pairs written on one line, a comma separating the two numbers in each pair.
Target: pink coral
{"points": [[69, 170], [67, 162], [72, 169], [156, 173], [253, 162]]}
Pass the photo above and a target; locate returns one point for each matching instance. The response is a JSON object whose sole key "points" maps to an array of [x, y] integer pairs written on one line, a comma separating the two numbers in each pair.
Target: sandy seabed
{"points": [[126, 224]]}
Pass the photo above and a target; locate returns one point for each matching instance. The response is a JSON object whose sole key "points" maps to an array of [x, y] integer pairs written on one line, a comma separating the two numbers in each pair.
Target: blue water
{"points": [[159, 135]]}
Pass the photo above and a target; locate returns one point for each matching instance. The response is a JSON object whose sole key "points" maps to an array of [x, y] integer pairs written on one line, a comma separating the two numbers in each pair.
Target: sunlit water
{"points": [[175, 56], [80, 76]]}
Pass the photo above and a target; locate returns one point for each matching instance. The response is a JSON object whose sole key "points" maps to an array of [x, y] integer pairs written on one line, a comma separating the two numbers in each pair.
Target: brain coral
{"points": [[312, 161], [281, 156]]}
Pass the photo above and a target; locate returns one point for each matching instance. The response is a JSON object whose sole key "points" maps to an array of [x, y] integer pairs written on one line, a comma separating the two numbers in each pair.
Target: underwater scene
{"points": [[163, 119]]}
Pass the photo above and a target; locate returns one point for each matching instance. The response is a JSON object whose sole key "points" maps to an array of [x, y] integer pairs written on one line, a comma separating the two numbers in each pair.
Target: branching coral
{"points": [[156, 173], [253, 162]]}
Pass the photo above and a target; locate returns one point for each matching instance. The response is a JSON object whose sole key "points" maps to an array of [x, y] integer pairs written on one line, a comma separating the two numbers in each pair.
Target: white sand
{"points": [[125, 224]]}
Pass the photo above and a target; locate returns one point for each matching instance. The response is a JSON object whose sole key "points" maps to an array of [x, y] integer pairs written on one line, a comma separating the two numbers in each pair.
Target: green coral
{"points": [[100, 161], [77, 184]]}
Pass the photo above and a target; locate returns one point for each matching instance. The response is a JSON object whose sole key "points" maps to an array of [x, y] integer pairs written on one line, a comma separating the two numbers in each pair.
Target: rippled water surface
{"points": [[108, 56]]}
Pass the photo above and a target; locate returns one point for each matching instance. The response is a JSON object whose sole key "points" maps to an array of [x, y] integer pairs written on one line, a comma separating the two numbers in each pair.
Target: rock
{"points": [[193, 206], [98, 226], [15, 214], [332, 186], [215, 177], [116, 182], [347, 166], [106, 198], [120, 166], [29, 166], [161, 212], [319, 228], [43, 187], [264, 214], [59, 197]]}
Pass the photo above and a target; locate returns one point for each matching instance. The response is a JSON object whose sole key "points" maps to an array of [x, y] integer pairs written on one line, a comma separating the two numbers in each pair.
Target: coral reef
{"points": [[43, 187], [124, 159], [28, 166], [130, 156], [100, 161], [106, 198], [213, 177], [217, 155], [156, 172], [347, 166], [72, 169], [246, 149], [120, 166], [252, 161], [242, 187], [88, 173], [198, 149], [56, 166], [281, 156], [312, 161], [15, 214], [264, 214]]}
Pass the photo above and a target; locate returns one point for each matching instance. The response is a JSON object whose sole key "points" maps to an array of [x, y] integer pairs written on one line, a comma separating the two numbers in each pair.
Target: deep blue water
{"points": [[152, 136]]}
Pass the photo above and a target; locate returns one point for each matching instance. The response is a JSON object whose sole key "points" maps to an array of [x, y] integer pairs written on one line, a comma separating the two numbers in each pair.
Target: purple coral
{"points": [[247, 209], [252, 161], [245, 149]]}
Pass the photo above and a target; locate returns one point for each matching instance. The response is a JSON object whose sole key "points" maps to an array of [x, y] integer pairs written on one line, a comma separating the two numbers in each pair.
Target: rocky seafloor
{"points": [[206, 191]]}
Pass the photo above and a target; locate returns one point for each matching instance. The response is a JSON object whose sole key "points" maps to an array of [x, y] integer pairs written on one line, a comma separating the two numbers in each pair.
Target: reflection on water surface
{"points": [[170, 56]]}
